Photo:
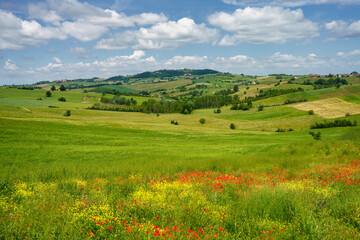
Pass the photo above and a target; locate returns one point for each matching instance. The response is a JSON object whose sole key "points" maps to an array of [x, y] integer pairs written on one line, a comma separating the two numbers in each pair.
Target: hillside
{"points": [[218, 154]]}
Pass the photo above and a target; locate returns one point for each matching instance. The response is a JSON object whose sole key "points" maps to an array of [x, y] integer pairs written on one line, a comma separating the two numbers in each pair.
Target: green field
{"points": [[123, 175]]}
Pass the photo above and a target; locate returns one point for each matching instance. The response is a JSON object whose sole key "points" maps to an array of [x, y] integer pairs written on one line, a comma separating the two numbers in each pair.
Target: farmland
{"points": [[131, 175]]}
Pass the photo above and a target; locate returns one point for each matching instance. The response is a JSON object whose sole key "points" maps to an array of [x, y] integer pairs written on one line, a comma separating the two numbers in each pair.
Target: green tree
{"points": [[67, 113], [202, 120], [62, 99], [236, 88], [53, 88], [311, 112], [232, 126], [48, 94], [62, 88]]}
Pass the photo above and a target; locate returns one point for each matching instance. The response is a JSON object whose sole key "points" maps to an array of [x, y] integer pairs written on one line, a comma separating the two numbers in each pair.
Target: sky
{"points": [[68, 39]]}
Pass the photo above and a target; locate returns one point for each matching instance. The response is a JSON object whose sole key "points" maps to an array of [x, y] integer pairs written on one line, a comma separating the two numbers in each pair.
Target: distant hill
{"points": [[173, 73]]}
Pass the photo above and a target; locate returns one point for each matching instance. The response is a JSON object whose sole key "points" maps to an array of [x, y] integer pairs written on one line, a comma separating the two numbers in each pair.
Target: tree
{"points": [[62, 99], [53, 88], [236, 88], [67, 113], [311, 112], [62, 88], [232, 126], [48, 94], [261, 107], [316, 136], [202, 120]]}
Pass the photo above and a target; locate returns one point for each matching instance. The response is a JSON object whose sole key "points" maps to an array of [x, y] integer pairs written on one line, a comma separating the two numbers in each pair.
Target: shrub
{"points": [[232, 126], [316, 136], [290, 130], [62, 99], [280, 130], [347, 114], [48, 94], [261, 107], [336, 123], [176, 123], [311, 112], [62, 88], [217, 110], [53, 88], [202, 120], [67, 113], [39, 98]]}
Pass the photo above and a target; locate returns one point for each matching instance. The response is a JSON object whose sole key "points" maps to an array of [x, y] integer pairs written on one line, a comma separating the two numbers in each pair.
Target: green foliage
{"points": [[62, 88], [53, 88], [48, 94], [336, 123], [280, 130], [311, 112], [62, 99], [316, 136], [202, 120], [217, 110], [236, 88], [260, 107], [67, 113], [232, 126]]}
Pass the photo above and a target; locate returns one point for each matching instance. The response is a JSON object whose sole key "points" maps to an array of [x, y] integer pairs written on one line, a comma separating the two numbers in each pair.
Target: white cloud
{"points": [[168, 35], [83, 31], [288, 3], [349, 54], [40, 11], [17, 34], [86, 22], [56, 60], [10, 65], [342, 29], [263, 25]]}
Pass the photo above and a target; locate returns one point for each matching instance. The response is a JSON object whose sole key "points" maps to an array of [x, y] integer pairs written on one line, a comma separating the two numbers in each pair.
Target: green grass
{"points": [[119, 88], [351, 98], [267, 114], [121, 175]]}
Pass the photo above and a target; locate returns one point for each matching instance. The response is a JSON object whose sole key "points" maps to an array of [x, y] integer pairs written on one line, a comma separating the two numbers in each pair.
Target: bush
{"points": [[261, 107], [62, 99], [280, 130], [290, 130], [316, 136], [53, 88], [311, 112], [336, 123], [232, 126], [48, 94], [39, 98], [217, 110], [62, 88], [202, 120], [347, 114], [176, 123], [67, 113]]}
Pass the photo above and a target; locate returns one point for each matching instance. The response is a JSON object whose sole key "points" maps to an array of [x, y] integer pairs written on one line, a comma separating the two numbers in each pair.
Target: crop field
{"points": [[130, 175], [330, 108]]}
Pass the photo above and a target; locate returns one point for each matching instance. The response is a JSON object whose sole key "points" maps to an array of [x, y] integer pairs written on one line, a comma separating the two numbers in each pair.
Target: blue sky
{"points": [[68, 39]]}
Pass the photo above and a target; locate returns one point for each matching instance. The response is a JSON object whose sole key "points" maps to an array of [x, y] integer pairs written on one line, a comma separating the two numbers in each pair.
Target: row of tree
{"points": [[336, 123]]}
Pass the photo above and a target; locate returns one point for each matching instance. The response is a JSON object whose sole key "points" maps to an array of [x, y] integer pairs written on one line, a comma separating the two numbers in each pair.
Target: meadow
{"points": [[119, 175]]}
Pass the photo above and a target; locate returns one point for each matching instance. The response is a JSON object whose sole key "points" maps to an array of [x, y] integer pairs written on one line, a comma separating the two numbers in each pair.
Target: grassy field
{"points": [[119, 175]]}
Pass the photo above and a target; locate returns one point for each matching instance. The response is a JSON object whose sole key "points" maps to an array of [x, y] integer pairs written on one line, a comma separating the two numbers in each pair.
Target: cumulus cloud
{"points": [[17, 34], [56, 60], [167, 35], [349, 54], [263, 25], [343, 29], [288, 3], [10, 65]]}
